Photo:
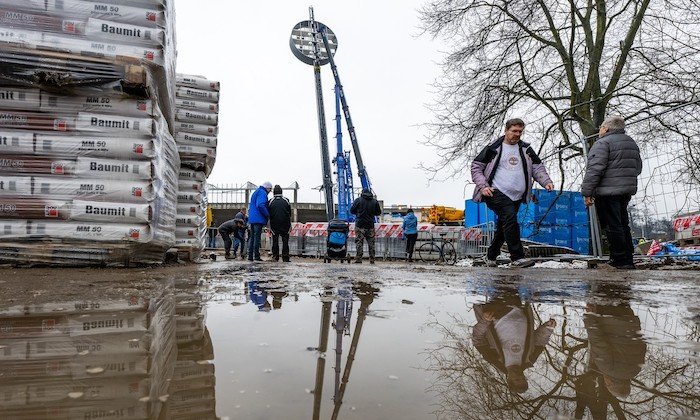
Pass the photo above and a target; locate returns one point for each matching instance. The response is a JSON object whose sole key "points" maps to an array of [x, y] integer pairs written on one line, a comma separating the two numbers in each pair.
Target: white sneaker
{"points": [[489, 263], [522, 263]]}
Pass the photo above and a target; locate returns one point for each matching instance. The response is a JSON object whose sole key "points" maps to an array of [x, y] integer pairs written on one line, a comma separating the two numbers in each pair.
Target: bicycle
{"points": [[443, 253]]}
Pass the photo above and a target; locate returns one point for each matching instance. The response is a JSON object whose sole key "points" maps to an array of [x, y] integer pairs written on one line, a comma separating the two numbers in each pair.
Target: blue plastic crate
{"points": [[579, 217], [544, 234], [579, 214], [477, 213], [581, 244], [563, 242], [562, 236], [527, 230], [562, 209], [580, 231], [471, 213], [526, 214], [562, 232]]}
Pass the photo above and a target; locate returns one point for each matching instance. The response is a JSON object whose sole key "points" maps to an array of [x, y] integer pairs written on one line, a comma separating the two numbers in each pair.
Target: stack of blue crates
{"points": [[560, 220]]}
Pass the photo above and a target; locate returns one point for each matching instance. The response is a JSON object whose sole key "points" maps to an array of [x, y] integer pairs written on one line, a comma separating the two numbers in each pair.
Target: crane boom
{"points": [[362, 171]]}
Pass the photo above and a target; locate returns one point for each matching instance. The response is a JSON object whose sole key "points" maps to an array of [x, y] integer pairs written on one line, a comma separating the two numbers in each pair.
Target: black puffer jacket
{"points": [[280, 214], [365, 207], [614, 163]]}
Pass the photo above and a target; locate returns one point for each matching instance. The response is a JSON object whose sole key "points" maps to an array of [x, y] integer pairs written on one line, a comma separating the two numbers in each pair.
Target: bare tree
{"points": [[564, 65]]}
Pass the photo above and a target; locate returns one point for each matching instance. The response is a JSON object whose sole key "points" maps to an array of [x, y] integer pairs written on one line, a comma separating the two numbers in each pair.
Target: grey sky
{"points": [[268, 125]]}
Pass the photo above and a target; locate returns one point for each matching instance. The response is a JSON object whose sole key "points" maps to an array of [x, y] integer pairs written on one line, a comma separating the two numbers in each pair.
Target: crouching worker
{"points": [[226, 230]]}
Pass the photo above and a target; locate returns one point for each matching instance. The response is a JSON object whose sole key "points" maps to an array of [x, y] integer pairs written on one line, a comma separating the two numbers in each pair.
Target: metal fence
{"points": [[309, 240]]}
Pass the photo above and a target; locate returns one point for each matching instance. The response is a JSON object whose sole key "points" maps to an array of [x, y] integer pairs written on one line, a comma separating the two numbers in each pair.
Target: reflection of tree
{"points": [[468, 387]]}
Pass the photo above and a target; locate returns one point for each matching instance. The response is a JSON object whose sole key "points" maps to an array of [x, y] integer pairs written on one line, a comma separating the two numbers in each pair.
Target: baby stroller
{"points": [[337, 241]]}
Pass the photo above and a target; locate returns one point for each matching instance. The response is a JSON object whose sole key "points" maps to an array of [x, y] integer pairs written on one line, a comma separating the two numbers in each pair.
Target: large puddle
{"points": [[317, 343]]}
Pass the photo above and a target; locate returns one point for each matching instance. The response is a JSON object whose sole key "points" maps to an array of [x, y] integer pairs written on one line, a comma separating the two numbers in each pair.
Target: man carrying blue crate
{"points": [[614, 163], [503, 173]]}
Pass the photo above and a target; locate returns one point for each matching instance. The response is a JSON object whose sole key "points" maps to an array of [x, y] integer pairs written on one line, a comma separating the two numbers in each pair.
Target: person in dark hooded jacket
{"points": [[365, 208], [280, 223], [614, 163]]}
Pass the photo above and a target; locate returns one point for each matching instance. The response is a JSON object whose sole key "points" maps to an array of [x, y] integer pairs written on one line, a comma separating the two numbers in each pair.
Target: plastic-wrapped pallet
{"points": [[142, 32], [197, 119], [87, 359], [88, 165], [191, 223]]}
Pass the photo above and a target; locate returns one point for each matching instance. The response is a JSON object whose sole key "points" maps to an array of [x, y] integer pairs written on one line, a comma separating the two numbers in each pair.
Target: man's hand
{"points": [[549, 187], [487, 192], [588, 201]]}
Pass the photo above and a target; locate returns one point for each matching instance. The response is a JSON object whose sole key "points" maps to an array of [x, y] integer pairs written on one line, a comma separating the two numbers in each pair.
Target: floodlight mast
{"points": [[306, 47]]}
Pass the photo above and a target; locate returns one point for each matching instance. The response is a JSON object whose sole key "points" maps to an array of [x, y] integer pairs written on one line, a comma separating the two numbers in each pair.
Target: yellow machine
{"points": [[446, 216]]}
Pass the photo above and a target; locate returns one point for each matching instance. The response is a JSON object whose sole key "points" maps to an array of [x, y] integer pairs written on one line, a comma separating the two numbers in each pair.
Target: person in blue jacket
{"points": [[410, 232], [258, 216]]}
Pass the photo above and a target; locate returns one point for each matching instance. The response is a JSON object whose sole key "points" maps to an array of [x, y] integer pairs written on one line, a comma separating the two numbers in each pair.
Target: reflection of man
{"points": [[277, 297], [616, 352], [505, 335]]}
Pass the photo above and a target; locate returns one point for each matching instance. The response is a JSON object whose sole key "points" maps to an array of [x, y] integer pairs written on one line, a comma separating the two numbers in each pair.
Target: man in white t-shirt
{"points": [[503, 173]]}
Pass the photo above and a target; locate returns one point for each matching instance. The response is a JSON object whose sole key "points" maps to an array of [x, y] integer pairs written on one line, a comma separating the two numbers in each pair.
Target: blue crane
{"points": [[343, 169], [340, 93]]}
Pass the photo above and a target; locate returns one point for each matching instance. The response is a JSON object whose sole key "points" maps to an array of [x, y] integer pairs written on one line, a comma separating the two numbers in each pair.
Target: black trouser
{"points": [[225, 235], [276, 246], [410, 244], [613, 217], [507, 227]]}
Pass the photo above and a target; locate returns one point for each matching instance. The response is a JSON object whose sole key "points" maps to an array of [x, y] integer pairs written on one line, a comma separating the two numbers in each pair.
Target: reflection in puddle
{"points": [[134, 358], [330, 347], [518, 361]]}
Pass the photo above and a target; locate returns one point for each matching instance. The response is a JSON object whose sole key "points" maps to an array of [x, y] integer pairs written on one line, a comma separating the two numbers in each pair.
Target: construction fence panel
{"points": [[309, 240]]}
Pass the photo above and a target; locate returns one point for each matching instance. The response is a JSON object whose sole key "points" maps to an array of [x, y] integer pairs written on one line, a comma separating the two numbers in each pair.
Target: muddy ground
{"points": [[37, 285]]}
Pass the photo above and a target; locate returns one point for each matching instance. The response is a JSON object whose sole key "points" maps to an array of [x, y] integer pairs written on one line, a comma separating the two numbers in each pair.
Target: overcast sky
{"points": [[268, 125]]}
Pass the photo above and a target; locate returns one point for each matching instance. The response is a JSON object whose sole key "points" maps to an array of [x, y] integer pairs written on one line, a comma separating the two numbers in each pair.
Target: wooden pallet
{"points": [[61, 71]]}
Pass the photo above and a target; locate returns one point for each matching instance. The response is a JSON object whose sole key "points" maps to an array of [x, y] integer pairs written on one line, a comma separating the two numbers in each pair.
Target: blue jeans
{"points": [[254, 242], [239, 240], [212, 238]]}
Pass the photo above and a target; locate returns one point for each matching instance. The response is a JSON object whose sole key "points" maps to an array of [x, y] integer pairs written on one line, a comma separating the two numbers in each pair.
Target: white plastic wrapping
{"points": [[190, 139], [30, 143], [88, 163], [197, 82], [196, 128]]}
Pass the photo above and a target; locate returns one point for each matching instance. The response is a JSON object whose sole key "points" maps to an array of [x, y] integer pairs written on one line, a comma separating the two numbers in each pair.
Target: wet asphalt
{"points": [[307, 340]]}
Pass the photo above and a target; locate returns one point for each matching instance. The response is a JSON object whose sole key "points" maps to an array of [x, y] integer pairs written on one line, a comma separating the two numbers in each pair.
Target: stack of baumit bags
{"points": [[196, 128], [88, 163]]}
